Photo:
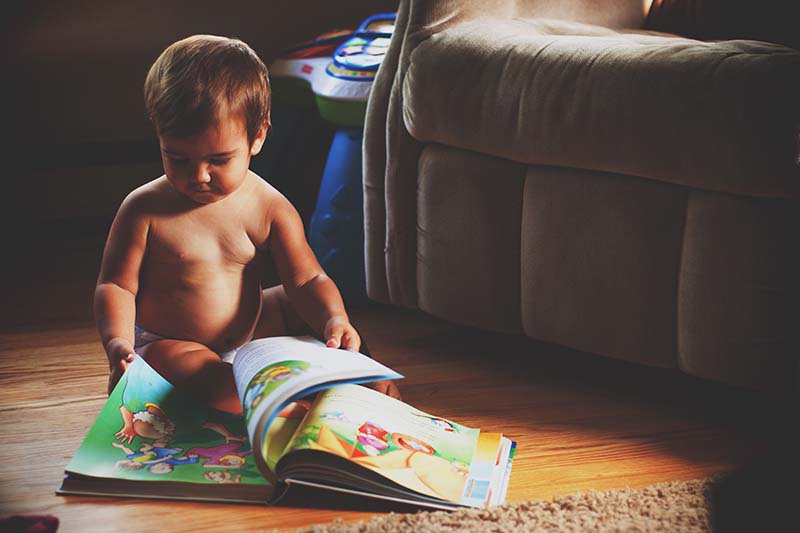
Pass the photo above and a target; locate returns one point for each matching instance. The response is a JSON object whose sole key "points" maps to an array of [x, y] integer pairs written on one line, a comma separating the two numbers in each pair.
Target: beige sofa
{"points": [[555, 170]]}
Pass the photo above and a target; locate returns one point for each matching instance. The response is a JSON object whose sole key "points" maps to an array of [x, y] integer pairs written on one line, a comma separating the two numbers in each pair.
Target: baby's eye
{"points": [[177, 160], [219, 162]]}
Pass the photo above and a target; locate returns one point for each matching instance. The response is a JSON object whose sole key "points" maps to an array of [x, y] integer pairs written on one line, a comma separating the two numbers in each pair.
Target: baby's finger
{"points": [[117, 359], [332, 343], [127, 360], [334, 338], [351, 341]]}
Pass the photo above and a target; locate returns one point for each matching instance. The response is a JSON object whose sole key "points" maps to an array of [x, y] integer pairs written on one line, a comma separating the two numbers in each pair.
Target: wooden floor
{"points": [[581, 422]]}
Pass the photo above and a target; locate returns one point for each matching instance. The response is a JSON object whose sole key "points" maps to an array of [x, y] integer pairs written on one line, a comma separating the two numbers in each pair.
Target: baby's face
{"points": [[208, 166]]}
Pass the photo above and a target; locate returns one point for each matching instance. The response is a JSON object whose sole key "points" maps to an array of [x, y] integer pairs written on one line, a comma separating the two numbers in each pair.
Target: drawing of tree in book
{"points": [[269, 379], [282, 428], [307, 438]]}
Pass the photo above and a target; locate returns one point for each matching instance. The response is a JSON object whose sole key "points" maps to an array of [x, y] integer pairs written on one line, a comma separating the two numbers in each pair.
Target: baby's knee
{"points": [[278, 316], [181, 361]]}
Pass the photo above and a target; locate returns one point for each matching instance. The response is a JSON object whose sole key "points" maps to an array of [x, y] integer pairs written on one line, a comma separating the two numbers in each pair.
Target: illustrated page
{"points": [[271, 373], [148, 432], [425, 453]]}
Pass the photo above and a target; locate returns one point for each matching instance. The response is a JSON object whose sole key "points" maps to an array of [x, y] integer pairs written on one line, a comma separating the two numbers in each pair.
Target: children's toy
{"points": [[334, 73]]}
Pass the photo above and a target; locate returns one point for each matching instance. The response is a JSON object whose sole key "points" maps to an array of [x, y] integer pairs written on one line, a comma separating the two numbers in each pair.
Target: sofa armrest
{"points": [[391, 154]]}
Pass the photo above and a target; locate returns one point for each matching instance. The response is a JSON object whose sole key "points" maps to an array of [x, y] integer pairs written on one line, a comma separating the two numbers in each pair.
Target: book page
{"points": [[272, 373], [424, 453], [147, 431]]}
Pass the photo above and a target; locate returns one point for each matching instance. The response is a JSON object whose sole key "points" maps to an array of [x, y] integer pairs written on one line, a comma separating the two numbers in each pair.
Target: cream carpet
{"points": [[673, 506]]}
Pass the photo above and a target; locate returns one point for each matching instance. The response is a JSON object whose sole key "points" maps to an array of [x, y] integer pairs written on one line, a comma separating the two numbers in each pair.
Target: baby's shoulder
{"points": [[270, 206], [152, 197], [151, 191], [269, 199]]}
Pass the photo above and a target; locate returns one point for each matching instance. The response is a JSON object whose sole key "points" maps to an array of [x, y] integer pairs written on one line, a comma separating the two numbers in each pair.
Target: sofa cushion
{"points": [[721, 116], [738, 291], [468, 235], [600, 255]]}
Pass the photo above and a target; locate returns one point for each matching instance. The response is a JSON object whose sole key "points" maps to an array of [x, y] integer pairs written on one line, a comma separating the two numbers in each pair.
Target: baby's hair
{"points": [[197, 79]]}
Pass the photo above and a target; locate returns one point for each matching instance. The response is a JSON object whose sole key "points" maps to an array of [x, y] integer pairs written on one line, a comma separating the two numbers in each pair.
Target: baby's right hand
{"points": [[120, 354]]}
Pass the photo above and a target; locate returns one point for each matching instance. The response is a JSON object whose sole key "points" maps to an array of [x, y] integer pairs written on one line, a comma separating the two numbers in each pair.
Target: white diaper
{"points": [[143, 338]]}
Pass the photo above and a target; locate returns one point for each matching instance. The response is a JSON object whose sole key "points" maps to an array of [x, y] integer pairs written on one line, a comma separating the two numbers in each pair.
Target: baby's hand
{"points": [[120, 354], [340, 333], [387, 387]]}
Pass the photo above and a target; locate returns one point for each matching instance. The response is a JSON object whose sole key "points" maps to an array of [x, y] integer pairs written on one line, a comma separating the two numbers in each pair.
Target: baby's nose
{"points": [[201, 175]]}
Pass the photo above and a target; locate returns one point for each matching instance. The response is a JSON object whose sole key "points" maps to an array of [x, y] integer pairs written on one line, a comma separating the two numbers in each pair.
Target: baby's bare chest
{"points": [[190, 242]]}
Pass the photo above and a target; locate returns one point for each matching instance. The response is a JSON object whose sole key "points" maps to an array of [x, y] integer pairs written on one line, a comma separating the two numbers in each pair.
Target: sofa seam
{"points": [[680, 280]]}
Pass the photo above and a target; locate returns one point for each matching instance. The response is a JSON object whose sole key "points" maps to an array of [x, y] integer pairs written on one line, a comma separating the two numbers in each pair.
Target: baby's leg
{"points": [[278, 316], [197, 369]]}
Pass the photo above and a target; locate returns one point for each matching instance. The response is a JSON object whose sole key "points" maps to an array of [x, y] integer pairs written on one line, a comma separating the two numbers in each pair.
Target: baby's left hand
{"points": [[340, 333], [387, 387]]}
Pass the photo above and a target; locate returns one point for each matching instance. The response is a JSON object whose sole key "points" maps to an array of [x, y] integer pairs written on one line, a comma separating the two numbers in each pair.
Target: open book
{"points": [[151, 441]]}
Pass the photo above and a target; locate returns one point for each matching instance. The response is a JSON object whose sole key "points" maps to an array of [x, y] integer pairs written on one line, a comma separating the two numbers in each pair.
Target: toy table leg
{"points": [[336, 232]]}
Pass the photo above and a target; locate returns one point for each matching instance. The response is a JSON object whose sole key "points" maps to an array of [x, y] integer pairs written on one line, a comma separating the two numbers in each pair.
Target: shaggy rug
{"points": [[673, 506]]}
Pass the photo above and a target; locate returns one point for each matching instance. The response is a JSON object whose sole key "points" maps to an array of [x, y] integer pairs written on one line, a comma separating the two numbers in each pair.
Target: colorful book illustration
{"points": [[149, 440]]}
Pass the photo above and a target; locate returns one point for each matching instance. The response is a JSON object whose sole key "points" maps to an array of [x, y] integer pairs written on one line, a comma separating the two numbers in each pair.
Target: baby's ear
{"points": [[261, 136]]}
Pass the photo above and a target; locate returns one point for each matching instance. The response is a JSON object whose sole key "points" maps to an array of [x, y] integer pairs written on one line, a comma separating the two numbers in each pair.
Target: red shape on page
{"points": [[307, 69]]}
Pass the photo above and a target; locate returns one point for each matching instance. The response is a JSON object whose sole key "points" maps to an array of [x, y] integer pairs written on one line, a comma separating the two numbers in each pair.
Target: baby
{"points": [[180, 280]]}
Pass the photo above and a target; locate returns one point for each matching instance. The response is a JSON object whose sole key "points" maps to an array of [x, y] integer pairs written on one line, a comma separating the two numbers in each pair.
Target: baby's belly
{"points": [[220, 314]]}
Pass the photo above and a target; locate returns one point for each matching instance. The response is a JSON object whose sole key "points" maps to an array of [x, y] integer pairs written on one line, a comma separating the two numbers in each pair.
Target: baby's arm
{"points": [[117, 285], [313, 294]]}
